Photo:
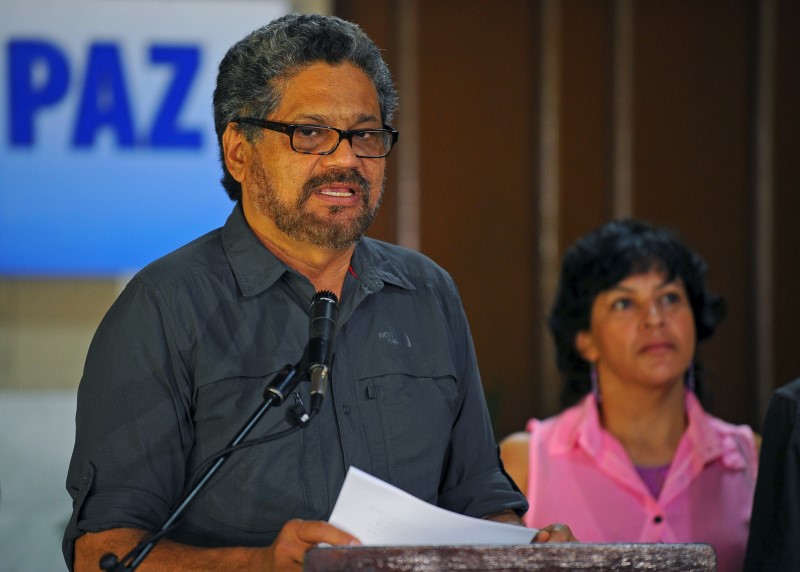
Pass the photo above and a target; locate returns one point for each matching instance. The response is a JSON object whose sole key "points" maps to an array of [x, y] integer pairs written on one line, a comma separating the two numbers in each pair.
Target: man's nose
{"points": [[343, 155]]}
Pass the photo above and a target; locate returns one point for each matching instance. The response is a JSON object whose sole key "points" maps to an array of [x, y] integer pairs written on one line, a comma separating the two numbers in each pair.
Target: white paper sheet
{"points": [[379, 514]]}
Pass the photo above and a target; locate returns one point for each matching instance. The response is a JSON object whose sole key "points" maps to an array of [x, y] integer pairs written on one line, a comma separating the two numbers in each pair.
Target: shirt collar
{"points": [[583, 429], [253, 265], [256, 269], [578, 425], [374, 268], [709, 443], [588, 431]]}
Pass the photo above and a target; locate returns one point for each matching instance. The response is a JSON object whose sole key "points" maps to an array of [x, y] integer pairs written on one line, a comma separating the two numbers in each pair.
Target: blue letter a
{"points": [[104, 99]]}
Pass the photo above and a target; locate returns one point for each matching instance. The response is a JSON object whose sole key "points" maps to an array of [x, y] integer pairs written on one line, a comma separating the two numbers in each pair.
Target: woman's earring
{"points": [[595, 385]]}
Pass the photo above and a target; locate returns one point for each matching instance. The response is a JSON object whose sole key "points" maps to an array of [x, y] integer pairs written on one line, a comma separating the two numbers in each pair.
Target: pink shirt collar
{"points": [[700, 444]]}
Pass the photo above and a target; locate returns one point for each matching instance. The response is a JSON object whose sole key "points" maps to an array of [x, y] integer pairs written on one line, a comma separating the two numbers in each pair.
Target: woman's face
{"points": [[641, 331]]}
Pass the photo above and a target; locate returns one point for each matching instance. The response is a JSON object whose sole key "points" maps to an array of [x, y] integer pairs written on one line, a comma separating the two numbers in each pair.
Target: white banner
{"points": [[109, 156]]}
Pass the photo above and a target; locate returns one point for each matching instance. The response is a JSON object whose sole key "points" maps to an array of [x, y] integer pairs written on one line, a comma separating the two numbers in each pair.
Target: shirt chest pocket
{"points": [[260, 487], [408, 416]]}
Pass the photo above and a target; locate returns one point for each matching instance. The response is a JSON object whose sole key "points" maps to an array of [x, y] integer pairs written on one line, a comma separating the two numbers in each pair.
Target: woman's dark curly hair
{"points": [[603, 258]]}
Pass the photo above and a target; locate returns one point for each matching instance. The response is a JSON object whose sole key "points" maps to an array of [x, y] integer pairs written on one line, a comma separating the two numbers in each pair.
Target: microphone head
{"points": [[324, 297], [325, 294], [324, 311]]}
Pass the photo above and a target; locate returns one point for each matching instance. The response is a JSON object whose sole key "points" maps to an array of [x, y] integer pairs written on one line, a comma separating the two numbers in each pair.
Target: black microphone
{"points": [[319, 352]]}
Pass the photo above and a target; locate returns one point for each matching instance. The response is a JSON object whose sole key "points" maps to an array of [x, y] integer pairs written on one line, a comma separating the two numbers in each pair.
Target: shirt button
{"points": [[658, 519], [346, 409]]}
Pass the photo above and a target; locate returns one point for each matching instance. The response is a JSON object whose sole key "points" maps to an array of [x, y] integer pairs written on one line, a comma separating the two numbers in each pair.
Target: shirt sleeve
{"points": [[129, 462], [474, 482]]}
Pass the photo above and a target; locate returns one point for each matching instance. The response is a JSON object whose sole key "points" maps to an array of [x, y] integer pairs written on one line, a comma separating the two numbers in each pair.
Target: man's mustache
{"points": [[352, 178]]}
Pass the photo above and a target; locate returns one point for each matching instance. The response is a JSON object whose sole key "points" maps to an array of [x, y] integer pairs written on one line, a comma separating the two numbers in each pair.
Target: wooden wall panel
{"points": [[694, 86], [478, 181], [586, 116], [691, 161]]}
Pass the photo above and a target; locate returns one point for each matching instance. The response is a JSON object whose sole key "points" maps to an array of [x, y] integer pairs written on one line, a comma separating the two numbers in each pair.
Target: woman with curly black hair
{"points": [[635, 456]]}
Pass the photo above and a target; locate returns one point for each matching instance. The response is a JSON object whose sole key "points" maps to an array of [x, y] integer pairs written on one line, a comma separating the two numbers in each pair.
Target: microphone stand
{"points": [[284, 383]]}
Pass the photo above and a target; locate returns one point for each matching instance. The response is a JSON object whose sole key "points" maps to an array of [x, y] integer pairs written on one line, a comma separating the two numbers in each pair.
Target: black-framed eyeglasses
{"points": [[324, 140]]}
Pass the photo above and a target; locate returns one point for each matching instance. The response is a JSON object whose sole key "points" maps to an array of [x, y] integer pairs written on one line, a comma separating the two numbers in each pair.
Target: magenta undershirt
{"points": [[653, 477]]}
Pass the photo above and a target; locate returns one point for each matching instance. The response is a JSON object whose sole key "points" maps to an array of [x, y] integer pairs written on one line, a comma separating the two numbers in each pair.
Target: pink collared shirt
{"points": [[580, 475]]}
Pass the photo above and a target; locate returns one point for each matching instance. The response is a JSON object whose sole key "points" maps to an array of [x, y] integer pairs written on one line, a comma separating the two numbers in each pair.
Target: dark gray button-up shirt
{"points": [[182, 358]]}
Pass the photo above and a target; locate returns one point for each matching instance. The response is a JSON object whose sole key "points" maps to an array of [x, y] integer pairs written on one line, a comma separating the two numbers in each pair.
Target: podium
{"points": [[545, 557]]}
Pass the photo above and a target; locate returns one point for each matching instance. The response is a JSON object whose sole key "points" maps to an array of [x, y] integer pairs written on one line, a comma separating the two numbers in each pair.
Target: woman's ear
{"points": [[584, 343], [236, 152]]}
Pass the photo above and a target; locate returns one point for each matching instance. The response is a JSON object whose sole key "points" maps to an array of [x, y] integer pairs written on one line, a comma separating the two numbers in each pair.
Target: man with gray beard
{"points": [[182, 359]]}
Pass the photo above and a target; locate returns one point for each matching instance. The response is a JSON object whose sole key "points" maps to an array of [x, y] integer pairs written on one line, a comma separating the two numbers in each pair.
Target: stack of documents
{"points": [[379, 514]]}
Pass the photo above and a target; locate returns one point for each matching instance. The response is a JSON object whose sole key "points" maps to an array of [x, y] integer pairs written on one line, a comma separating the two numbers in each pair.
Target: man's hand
{"points": [[297, 537], [285, 553], [551, 533], [555, 533]]}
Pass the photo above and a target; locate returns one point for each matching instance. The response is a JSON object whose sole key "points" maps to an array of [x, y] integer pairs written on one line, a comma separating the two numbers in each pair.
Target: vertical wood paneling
{"points": [[692, 165], [550, 129], [478, 179], [588, 102], [408, 155], [655, 115], [763, 201], [622, 130]]}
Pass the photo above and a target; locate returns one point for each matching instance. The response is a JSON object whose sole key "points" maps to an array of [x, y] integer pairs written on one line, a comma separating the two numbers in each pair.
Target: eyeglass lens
{"points": [[365, 143]]}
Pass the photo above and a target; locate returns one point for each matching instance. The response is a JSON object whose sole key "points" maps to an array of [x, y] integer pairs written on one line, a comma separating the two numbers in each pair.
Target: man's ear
{"points": [[236, 151], [584, 343]]}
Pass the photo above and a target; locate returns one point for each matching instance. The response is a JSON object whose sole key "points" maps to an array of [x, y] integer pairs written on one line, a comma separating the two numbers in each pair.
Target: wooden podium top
{"points": [[544, 557]]}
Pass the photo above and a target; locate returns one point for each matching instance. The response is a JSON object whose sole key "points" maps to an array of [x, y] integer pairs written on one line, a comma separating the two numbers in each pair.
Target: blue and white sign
{"points": [[109, 156]]}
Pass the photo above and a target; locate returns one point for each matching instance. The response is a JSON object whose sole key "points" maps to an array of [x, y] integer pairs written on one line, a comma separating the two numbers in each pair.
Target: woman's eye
{"points": [[621, 304], [671, 298]]}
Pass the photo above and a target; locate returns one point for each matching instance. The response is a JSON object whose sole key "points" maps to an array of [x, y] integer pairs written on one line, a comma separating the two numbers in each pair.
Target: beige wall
{"points": [[46, 327]]}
